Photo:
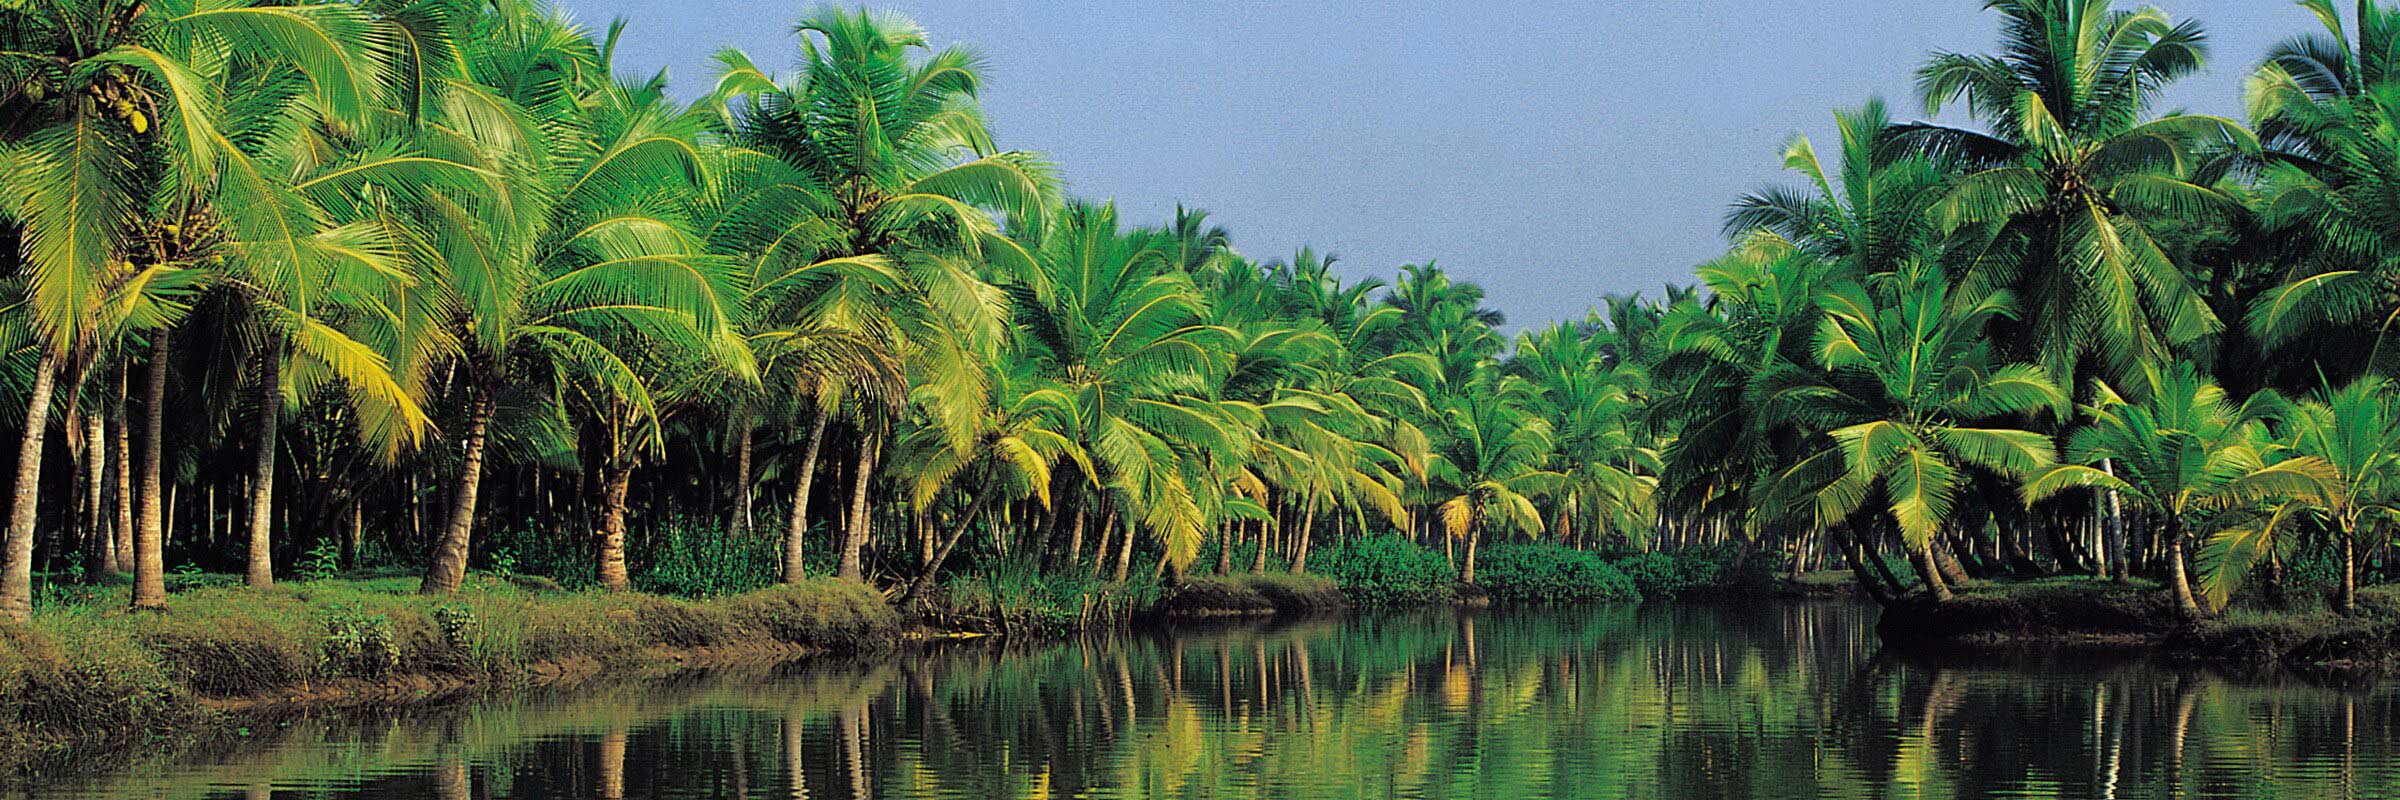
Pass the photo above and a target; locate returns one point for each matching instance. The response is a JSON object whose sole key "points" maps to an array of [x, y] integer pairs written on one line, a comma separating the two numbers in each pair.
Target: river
{"points": [[1781, 700]]}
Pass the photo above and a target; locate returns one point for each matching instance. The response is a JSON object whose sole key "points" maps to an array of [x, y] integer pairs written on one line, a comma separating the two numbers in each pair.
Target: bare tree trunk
{"points": [[741, 476], [150, 531], [99, 542], [924, 581], [261, 572], [616, 479], [2178, 579], [448, 567], [795, 535], [1931, 573], [854, 535], [16, 574], [1125, 547], [1258, 559], [1308, 524], [120, 463], [1225, 540], [1466, 574], [2347, 601], [1074, 549]]}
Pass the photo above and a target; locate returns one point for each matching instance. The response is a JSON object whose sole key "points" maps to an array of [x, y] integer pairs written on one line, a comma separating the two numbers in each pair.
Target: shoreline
{"points": [[2091, 615]]}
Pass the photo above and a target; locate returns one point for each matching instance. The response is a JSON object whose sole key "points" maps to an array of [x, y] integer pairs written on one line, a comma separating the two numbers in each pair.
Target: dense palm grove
{"points": [[302, 285]]}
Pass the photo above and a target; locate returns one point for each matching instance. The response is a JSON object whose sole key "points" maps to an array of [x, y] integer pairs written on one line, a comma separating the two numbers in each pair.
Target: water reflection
{"points": [[1785, 701]]}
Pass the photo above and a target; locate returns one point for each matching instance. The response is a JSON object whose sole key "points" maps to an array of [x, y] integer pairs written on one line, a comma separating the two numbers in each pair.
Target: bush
{"points": [[1549, 573], [1659, 576], [1388, 571], [691, 558]]}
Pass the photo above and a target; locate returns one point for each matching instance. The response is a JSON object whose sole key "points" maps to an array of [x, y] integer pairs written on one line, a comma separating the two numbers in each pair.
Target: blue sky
{"points": [[1552, 151]]}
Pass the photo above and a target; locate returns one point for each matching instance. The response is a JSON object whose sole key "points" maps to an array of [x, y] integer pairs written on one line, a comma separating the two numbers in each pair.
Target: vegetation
{"points": [[301, 286]]}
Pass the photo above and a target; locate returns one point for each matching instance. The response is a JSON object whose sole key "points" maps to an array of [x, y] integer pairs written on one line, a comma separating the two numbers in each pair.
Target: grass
{"points": [[86, 675]]}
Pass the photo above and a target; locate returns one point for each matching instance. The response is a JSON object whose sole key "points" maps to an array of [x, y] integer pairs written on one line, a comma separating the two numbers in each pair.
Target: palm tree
{"points": [[548, 279], [1120, 328], [2325, 106], [111, 108], [2354, 435], [2069, 179], [1908, 398], [1009, 457], [2182, 451], [1490, 462]]}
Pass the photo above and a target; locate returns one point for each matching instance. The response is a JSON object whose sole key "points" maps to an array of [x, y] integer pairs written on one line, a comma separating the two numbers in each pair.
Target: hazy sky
{"points": [[1552, 151]]}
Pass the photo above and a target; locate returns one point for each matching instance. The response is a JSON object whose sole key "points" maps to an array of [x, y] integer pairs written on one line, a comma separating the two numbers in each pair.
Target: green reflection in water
{"points": [[1780, 701]]}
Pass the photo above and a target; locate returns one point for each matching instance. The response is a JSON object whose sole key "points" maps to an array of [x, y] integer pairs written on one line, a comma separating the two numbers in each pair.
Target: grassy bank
{"points": [[87, 676], [2087, 613]]}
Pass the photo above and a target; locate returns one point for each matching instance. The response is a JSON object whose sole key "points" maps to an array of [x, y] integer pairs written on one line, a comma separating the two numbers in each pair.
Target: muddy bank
{"points": [[2079, 613]]}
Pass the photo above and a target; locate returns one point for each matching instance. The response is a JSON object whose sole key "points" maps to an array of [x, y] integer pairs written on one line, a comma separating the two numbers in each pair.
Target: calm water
{"points": [[1787, 701]]}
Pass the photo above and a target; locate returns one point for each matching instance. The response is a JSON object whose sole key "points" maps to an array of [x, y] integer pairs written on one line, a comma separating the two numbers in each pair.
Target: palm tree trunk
{"points": [[261, 572], [2178, 579], [1258, 558], [1125, 548], [120, 466], [2347, 601], [448, 567], [1945, 557], [924, 580], [795, 535], [1931, 573], [16, 574], [741, 476], [616, 478], [1225, 539], [1466, 573], [96, 536], [150, 530], [1067, 559], [1308, 524], [1867, 581], [854, 535]]}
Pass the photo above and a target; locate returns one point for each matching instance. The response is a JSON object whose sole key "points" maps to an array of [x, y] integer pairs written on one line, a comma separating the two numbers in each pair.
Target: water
{"points": [[1782, 701]]}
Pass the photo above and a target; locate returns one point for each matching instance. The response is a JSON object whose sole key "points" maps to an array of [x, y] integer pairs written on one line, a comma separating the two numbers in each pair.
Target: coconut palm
{"points": [[114, 108], [2354, 436], [2183, 452], [1490, 462], [1911, 399], [548, 280], [2328, 107], [2070, 177]]}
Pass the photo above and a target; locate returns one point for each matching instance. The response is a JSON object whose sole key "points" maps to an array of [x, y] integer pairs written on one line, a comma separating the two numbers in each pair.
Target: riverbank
{"points": [[2087, 613], [90, 677]]}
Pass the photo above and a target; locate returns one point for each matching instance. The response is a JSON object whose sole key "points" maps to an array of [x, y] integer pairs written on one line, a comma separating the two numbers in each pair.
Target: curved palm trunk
{"points": [[1931, 573], [1867, 581], [795, 536], [741, 477], [1258, 558], [924, 580], [448, 567], [150, 530], [1125, 549], [261, 571], [614, 481], [1308, 524], [854, 535], [1226, 536], [2178, 579], [16, 573]]}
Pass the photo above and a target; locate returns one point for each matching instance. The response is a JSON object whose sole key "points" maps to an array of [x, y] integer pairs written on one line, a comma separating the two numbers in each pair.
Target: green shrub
{"points": [[1387, 571], [1549, 573], [691, 558], [1659, 576]]}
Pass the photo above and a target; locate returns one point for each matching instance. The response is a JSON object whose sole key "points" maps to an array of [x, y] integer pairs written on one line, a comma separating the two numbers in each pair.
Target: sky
{"points": [[1553, 151]]}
